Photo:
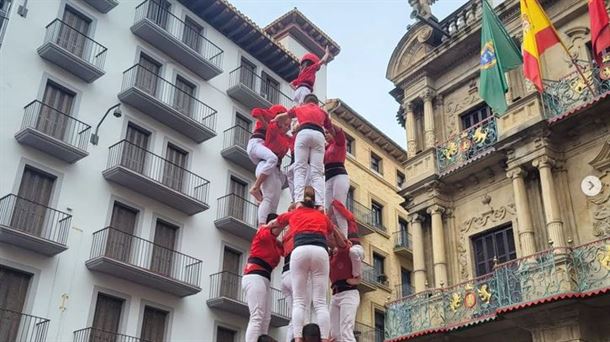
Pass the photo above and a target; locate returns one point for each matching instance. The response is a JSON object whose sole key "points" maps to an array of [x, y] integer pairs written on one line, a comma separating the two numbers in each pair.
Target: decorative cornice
{"points": [[435, 209], [517, 172], [543, 162]]}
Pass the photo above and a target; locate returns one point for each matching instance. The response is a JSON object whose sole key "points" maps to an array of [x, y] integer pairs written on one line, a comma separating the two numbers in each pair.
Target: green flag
{"points": [[499, 54]]}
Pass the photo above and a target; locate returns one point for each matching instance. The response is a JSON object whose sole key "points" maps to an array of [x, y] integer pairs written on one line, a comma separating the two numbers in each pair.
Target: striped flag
{"points": [[538, 35]]}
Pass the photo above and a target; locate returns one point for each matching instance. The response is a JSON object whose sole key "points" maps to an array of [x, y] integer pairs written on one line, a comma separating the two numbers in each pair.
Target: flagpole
{"points": [[578, 69]]}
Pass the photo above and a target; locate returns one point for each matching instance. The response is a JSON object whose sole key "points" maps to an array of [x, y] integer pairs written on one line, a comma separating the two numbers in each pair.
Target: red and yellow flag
{"points": [[600, 33], [538, 35]]}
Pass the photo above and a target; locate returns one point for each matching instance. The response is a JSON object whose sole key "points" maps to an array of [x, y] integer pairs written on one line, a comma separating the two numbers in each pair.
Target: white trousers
{"points": [[258, 295], [290, 180], [337, 189], [259, 153], [287, 292], [309, 152], [309, 262], [343, 307], [271, 189], [356, 255], [300, 93]]}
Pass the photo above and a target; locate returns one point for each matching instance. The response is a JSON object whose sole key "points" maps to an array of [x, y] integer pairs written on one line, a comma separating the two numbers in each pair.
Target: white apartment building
{"points": [[124, 211]]}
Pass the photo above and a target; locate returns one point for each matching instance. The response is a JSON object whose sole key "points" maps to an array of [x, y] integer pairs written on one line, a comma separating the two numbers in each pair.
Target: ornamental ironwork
{"points": [[467, 145], [549, 275], [573, 91]]}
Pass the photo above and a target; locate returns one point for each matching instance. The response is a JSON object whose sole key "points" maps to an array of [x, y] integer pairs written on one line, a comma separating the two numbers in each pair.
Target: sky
{"points": [[367, 31]]}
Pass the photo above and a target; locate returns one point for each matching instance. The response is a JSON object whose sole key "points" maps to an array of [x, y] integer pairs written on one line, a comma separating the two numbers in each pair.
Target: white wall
{"points": [[294, 46], [83, 192]]}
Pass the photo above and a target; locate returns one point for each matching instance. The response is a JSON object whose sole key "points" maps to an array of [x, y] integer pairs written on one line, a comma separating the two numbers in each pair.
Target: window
{"points": [[350, 199], [163, 250], [498, 244], [225, 335], [107, 317], [379, 267], [53, 117], [405, 282], [158, 12], [379, 326], [241, 121], [154, 322], [30, 211], [247, 75], [73, 33], [350, 144], [400, 179], [134, 151], [419, 132], [192, 34], [230, 283], [475, 116], [148, 74], [184, 97], [376, 163], [5, 7], [241, 134], [174, 169], [403, 234], [12, 297], [270, 89], [377, 213], [123, 220]]}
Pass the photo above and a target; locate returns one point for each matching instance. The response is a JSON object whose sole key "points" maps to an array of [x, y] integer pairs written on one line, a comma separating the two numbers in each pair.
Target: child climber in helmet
{"points": [[303, 84]]}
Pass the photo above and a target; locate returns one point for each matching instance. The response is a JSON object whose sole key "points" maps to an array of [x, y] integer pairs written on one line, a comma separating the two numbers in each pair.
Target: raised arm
{"points": [[326, 56]]}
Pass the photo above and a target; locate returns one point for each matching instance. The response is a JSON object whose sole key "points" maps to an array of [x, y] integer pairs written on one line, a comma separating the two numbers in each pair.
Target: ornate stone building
{"points": [[509, 216]]}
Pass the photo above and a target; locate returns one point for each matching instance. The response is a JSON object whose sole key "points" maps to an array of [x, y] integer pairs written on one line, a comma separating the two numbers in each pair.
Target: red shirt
{"points": [[352, 227], [261, 114], [307, 76], [336, 149], [306, 220], [340, 265], [277, 140], [287, 242], [265, 248], [311, 113]]}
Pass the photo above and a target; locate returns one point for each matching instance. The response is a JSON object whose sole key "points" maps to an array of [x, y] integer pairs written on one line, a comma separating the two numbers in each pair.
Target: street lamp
{"points": [[117, 114]]}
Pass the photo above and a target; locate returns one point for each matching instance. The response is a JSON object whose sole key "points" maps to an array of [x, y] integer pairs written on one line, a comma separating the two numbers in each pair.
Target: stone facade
{"points": [[469, 175]]}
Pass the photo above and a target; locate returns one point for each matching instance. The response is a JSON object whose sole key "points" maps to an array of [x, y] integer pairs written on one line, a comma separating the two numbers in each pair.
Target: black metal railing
{"points": [[403, 290], [368, 274], [169, 94], [99, 335], [228, 285], [365, 215], [237, 207], [118, 245], [364, 333], [76, 42], [247, 77], [34, 218], [19, 327], [158, 169], [236, 136], [402, 239], [56, 124], [189, 35]]}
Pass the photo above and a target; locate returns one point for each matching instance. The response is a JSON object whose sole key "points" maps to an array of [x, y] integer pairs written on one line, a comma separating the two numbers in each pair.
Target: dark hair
{"points": [[310, 98], [271, 217], [306, 63], [309, 197], [311, 332], [265, 338]]}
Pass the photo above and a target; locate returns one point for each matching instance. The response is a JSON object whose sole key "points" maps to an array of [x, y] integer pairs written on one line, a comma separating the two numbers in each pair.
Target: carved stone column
{"points": [[429, 135], [411, 132], [419, 265], [438, 245], [554, 225], [524, 217]]}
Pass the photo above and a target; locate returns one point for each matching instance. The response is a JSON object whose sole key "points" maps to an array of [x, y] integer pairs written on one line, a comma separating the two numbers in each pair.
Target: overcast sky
{"points": [[367, 31]]}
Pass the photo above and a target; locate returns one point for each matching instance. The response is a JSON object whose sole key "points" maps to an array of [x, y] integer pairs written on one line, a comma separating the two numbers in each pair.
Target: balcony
{"points": [[156, 177], [551, 275], [249, 89], [234, 147], [20, 327], [168, 104], [103, 6], [368, 281], [180, 40], [53, 132], [73, 51], [403, 290], [33, 226], [365, 333], [365, 219], [402, 244], [226, 294], [237, 216], [570, 94], [467, 146], [141, 261], [98, 335]]}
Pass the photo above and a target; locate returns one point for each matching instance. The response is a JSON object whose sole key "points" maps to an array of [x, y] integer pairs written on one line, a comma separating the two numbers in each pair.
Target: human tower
{"points": [[319, 237]]}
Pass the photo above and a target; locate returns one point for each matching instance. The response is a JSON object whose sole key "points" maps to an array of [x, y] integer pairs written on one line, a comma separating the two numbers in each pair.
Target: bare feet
{"points": [[354, 281], [256, 193]]}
